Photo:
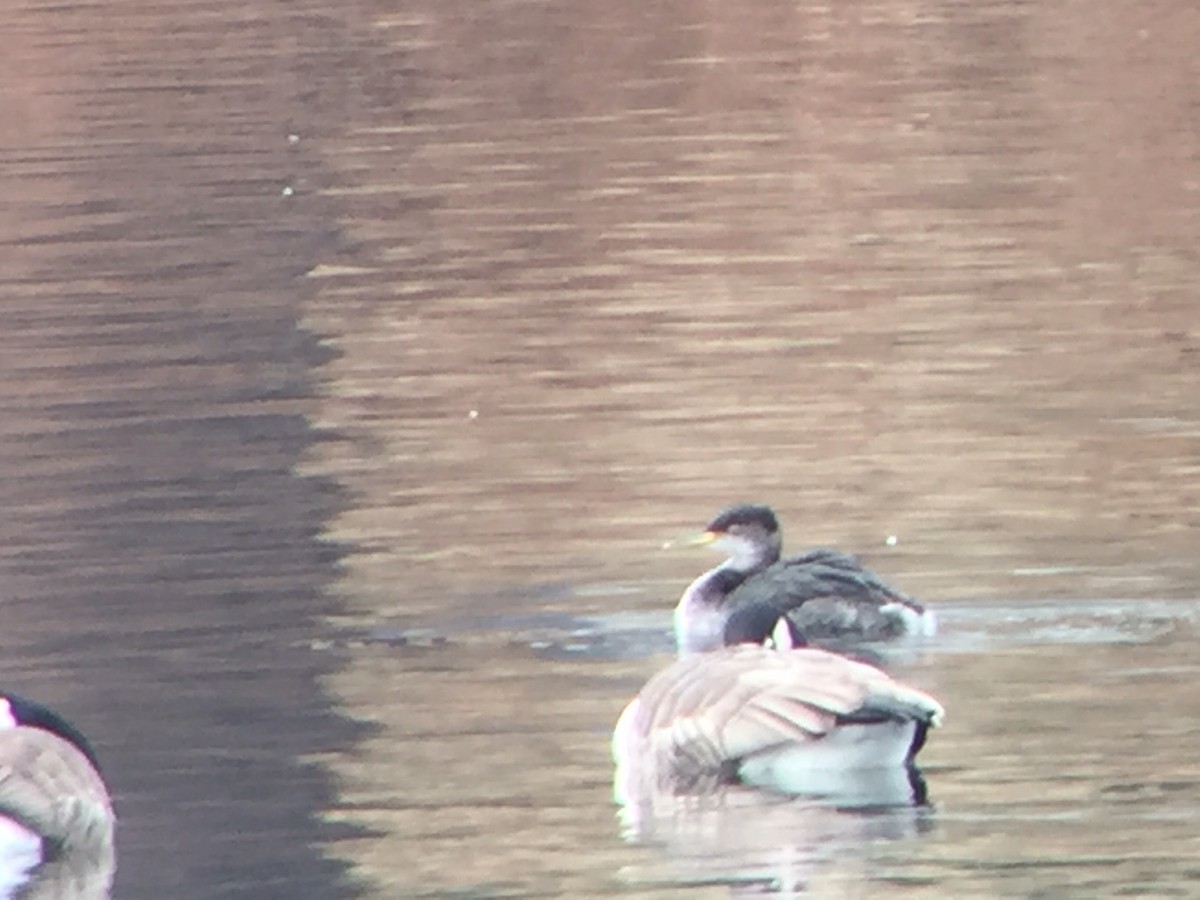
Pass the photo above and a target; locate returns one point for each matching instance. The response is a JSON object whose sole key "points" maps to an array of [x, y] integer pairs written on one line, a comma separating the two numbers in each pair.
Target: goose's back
{"points": [[706, 714], [51, 788]]}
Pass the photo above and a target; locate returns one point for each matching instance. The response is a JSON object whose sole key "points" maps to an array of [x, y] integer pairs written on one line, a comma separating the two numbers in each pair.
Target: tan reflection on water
{"points": [[922, 270]]}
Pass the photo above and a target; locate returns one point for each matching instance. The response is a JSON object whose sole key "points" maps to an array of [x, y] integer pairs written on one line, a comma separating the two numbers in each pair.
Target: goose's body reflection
{"points": [[757, 841]]}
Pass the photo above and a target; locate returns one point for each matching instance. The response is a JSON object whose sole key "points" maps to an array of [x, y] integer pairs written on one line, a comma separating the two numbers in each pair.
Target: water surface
{"points": [[358, 359]]}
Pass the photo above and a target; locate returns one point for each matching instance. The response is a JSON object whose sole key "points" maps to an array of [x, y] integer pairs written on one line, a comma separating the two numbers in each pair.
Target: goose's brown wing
{"points": [[707, 711]]}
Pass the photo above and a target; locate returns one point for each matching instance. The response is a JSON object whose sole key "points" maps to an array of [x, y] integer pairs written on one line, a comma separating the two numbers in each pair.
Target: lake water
{"points": [[357, 360]]}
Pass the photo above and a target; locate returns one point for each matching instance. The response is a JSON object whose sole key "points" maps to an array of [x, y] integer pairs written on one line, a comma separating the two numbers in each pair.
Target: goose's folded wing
{"points": [[706, 711]]}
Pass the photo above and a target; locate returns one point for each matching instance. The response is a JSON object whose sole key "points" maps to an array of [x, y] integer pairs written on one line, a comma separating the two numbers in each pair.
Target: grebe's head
{"points": [[747, 533]]}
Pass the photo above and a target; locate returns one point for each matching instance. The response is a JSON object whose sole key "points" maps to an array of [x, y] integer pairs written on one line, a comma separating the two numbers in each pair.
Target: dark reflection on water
{"points": [[163, 567]]}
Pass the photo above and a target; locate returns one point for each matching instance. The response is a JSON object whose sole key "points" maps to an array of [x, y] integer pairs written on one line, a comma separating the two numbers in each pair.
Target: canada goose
{"points": [[792, 718], [830, 595], [55, 811]]}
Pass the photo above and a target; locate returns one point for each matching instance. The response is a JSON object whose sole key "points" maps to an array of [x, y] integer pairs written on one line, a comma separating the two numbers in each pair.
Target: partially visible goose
{"points": [[829, 595], [791, 718], [56, 817]]}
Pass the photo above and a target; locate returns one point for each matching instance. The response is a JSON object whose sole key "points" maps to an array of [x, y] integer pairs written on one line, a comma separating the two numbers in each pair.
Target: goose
{"points": [[830, 595], [56, 816], [770, 712]]}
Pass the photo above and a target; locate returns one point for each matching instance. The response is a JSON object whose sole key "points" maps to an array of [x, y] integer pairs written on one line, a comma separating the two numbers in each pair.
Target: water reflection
{"points": [[756, 842]]}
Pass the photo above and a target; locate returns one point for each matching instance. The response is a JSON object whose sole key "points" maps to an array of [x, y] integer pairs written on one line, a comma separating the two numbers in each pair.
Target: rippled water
{"points": [[357, 361]]}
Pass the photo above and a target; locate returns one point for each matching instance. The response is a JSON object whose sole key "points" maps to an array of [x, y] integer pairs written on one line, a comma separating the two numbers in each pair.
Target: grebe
{"points": [[828, 594]]}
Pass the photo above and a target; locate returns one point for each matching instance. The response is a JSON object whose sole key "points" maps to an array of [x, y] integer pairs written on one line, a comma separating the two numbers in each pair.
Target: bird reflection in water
{"points": [[757, 841]]}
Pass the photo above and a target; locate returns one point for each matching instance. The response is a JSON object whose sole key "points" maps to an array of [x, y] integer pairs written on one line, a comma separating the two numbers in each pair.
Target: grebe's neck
{"points": [[701, 612]]}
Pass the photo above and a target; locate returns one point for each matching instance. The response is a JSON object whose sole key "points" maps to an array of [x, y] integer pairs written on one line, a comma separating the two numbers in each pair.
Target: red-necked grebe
{"points": [[829, 595]]}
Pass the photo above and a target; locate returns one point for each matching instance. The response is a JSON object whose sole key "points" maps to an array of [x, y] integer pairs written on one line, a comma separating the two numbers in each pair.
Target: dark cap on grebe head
{"points": [[744, 515], [758, 623]]}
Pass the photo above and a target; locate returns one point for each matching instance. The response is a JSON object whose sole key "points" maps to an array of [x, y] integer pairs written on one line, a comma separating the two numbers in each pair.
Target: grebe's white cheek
{"points": [[7, 718], [727, 544], [739, 549]]}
